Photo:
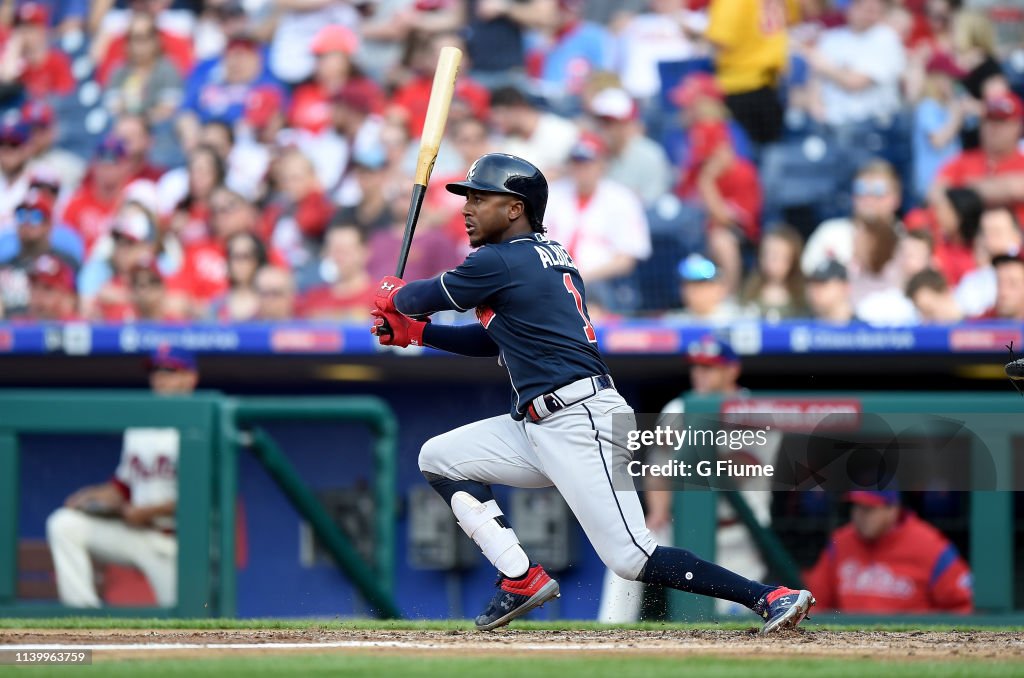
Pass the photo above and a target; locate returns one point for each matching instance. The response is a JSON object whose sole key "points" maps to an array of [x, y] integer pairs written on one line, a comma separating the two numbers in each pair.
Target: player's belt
{"points": [[570, 394]]}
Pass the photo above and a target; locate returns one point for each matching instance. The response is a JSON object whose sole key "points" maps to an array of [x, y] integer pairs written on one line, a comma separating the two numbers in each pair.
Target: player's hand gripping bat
{"points": [[433, 129]]}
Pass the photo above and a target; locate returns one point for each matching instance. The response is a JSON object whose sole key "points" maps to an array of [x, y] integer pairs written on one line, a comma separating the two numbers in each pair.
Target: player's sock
{"points": [[679, 569]]}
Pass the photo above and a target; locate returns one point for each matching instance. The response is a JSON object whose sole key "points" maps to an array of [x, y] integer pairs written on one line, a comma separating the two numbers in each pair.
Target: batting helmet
{"points": [[503, 173]]}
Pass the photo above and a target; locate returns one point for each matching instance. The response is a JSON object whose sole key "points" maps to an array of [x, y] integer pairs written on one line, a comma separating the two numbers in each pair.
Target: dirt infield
{"points": [[890, 645]]}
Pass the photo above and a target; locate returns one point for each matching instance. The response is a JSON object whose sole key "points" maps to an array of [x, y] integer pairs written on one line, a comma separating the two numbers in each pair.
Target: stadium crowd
{"points": [[237, 160]]}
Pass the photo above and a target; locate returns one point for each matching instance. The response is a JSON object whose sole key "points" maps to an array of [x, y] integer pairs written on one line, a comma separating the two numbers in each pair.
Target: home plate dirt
{"points": [[901, 645]]}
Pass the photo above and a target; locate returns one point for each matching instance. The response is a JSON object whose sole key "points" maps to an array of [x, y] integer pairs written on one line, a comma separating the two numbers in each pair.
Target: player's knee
{"points": [[431, 459], [625, 565], [63, 524]]}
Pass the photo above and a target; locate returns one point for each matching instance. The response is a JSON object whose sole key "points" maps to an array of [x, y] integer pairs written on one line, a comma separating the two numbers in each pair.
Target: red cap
{"points": [[696, 86], [261, 104], [37, 200], [32, 13], [1003, 107], [475, 96], [37, 113], [334, 38], [53, 271], [943, 63], [588, 147], [873, 497], [360, 95]]}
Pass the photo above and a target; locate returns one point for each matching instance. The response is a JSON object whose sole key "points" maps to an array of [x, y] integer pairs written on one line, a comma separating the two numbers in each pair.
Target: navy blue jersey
{"points": [[530, 298]]}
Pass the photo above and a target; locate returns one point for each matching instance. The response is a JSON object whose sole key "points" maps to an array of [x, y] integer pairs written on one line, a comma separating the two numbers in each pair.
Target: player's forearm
{"points": [[467, 340], [423, 297]]}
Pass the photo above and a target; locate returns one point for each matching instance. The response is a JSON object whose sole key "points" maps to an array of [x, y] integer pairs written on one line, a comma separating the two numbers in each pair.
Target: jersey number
{"points": [[588, 329]]}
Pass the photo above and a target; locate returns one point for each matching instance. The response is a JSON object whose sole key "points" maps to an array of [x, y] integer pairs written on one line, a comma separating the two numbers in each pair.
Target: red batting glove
{"points": [[384, 298], [404, 331]]}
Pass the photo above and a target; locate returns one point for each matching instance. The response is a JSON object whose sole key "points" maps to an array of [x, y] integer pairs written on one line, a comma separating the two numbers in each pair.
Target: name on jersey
{"points": [[552, 254]]}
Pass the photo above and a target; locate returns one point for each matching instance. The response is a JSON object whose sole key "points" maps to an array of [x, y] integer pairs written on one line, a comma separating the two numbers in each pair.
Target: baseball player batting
{"points": [[531, 304]]}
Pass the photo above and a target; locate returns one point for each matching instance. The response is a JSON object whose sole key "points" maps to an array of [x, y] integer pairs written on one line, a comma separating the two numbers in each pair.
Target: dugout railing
{"points": [[993, 425], [214, 429]]}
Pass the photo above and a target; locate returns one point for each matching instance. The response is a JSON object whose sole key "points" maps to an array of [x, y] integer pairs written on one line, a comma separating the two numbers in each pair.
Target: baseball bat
{"points": [[433, 129]]}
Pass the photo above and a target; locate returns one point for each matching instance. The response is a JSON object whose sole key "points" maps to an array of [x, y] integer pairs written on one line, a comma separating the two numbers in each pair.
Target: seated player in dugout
{"points": [[531, 303], [887, 560], [129, 519]]}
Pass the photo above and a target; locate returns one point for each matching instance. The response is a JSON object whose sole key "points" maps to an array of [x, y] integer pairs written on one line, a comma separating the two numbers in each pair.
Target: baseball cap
{"points": [[873, 497], [53, 271], [828, 270], [245, 39], [712, 351], [334, 38], [14, 130], [693, 87], [32, 13], [1008, 258], [359, 95], [45, 179], [171, 358], [134, 226], [697, 268], [613, 103], [37, 113], [588, 147], [261, 104], [111, 148], [369, 156], [1005, 106], [943, 63], [36, 200]]}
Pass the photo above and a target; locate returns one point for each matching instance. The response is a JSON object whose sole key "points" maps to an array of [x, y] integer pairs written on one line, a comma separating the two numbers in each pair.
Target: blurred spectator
{"points": [[933, 299], [28, 58], [567, 54], [15, 153], [371, 211], [887, 560], [996, 169], [333, 47], [134, 235], [299, 22], [750, 50], [246, 254], [705, 296], [1009, 287], [63, 240], [495, 32], [52, 295], [776, 287], [147, 85], [857, 67], [34, 219], [349, 295], [600, 222], [296, 215], [725, 185], [880, 296], [409, 103], [1000, 233], [355, 125], [220, 91], [541, 138], [111, 46], [828, 294], [93, 205], [135, 133], [433, 253], [206, 172], [666, 31], [975, 53], [937, 121], [275, 288], [217, 20], [46, 156], [149, 299], [129, 519], [634, 160], [876, 198]]}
